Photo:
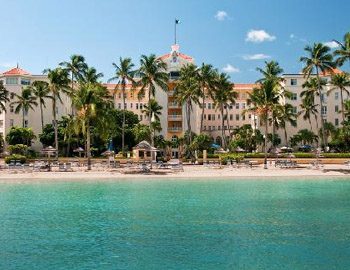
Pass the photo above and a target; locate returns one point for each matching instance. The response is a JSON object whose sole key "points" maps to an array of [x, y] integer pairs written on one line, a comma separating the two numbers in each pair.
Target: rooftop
{"points": [[16, 71]]}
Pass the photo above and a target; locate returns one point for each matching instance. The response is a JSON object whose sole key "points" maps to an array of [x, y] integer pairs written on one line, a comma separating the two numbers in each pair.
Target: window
{"points": [[213, 117], [219, 116], [119, 95], [336, 108], [214, 127], [25, 81], [11, 123], [11, 80], [205, 117], [12, 95], [244, 96], [225, 127], [243, 105], [209, 117], [243, 117], [336, 95], [294, 96], [125, 106], [1, 123], [137, 106], [219, 127], [25, 123], [131, 105], [237, 117], [324, 110], [205, 128], [11, 108], [174, 138], [209, 106], [336, 121], [141, 105], [119, 106], [295, 110], [131, 95], [231, 106], [237, 105], [231, 117], [323, 98], [209, 128], [141, 117], [293, 81]]}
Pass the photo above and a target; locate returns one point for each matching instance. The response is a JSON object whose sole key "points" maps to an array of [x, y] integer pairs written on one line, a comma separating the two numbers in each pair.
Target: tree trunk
{"points": [[123, 124], [223, 128], [72, 104], [202, 116], [342, 105], [150, 114], [265, 148], [285, 135], [88, 142], [188, 117], [22, 117], [228, 123], [55, 123], [310, 123], [321, 104], [42, 117]]}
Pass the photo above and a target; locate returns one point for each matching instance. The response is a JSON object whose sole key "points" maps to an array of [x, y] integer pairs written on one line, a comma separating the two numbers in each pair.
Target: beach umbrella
{"points": [[107, 153], [216, 146], [49, 150], [79, 150]]}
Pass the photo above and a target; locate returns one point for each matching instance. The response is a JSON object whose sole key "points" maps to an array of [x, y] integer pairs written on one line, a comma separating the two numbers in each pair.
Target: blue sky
{"points": [[233, 35]]}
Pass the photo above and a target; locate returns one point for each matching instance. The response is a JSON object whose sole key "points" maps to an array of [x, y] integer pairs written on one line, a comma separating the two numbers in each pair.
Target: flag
{"points": [[177, 21]]}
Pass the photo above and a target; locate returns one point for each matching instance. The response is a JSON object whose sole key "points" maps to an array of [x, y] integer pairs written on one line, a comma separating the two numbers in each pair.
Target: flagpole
{"points": [[175, 30]]}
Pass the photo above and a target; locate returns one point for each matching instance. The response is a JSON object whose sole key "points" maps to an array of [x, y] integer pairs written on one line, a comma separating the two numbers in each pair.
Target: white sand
{"points": [[190, 172]]}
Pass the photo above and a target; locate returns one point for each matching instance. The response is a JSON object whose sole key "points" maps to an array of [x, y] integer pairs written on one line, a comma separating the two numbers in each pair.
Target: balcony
{"points": [[171, 92], [174, 129], [174, 117], [174, 105]]}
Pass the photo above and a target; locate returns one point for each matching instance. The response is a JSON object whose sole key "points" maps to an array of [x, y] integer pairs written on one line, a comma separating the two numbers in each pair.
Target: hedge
{"points": [[15, 157]]}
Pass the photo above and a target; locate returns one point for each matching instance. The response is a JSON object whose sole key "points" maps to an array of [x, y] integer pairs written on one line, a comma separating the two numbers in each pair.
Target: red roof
{"points": [[181, 55], [331, 72], [245, 85], [16, 71]]}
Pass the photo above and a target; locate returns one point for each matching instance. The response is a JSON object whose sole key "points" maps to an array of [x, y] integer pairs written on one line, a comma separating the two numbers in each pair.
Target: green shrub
{"points": [[14, 157], [18, 149]]}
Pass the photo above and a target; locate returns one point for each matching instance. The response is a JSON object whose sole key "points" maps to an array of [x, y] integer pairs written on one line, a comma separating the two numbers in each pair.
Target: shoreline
{"points": [[190, 172]]}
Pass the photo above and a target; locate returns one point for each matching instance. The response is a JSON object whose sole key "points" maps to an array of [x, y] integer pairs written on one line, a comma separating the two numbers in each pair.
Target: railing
{"points": [[173, 105], [175, 117], [174, 129]]}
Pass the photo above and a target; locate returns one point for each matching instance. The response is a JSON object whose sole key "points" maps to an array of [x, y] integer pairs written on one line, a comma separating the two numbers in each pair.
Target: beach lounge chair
{"points": [[69, 167], [61, 167]]}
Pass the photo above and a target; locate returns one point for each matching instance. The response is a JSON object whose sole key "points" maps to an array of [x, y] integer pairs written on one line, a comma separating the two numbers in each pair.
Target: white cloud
{"points": [[221, 15], [258, 36], [291, 36], [230, 69], [331, 44], [257, 56]]}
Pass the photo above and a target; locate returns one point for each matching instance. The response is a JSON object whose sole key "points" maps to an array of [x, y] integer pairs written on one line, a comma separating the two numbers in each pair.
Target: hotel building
{"points": [[173, 117]]}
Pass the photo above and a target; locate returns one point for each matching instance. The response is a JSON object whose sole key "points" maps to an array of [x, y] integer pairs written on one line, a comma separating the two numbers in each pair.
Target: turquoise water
{"points": [[241, 224]]}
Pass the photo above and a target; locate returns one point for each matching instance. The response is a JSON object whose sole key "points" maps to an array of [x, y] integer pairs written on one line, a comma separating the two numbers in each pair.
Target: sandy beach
{"points": [[190, 172]]}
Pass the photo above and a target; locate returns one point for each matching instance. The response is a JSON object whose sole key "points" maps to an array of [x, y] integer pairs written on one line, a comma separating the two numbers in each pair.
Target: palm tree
{"points": [[152, 73], [154, 109], [76, 68], [341, 81], [58, 82], [272, 71], [286, 115], [90, 75], [25, 102], [206, 78], [41, 91], [344, 52], [263, 100], [308, 108], [223, 97], [91, 101], [123, 73], [188, 92], [346, 109], [3, 97], [318, 59]]}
